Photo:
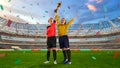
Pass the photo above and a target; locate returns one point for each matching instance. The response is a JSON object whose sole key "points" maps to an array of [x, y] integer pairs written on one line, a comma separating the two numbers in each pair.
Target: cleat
{"points": [[46, 62], [64, 61], [55, 62], [68, 62]]}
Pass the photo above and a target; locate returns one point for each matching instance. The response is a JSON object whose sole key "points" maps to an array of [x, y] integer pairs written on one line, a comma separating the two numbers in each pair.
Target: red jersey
{"points": [[51, 30]]}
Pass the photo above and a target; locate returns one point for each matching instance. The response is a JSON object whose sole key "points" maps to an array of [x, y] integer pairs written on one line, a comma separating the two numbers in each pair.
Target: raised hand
{"points": [[58, 6]]}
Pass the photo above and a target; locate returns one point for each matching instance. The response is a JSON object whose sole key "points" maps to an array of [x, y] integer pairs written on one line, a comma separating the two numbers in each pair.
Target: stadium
{"points": [[94, 37]]}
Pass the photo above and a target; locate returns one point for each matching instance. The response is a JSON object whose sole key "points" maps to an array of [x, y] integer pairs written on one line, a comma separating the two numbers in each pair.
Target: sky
{"points": [[39, 11]]}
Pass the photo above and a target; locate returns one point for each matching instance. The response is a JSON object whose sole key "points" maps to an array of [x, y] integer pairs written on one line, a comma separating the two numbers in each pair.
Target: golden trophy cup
{"points": [[58, 6]]}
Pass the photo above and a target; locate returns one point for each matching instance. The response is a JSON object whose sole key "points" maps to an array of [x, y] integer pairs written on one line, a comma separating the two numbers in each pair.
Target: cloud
{"points": [[97, 1]]}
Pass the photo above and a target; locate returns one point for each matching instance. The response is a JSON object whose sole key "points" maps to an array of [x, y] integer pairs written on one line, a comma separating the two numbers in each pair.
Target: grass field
{"points": [[80, 59]]}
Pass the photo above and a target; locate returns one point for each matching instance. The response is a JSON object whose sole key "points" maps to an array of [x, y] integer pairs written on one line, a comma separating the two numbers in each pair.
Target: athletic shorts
{"points": [[51, 42], [64, 41]]}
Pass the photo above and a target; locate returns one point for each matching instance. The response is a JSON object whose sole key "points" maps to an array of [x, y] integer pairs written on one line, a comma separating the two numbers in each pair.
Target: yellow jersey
{"points": [[63, 28]]}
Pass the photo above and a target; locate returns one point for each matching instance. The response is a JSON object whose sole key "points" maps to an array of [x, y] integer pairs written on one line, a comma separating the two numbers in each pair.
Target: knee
{"points": [[54, 49], [65, 48]]}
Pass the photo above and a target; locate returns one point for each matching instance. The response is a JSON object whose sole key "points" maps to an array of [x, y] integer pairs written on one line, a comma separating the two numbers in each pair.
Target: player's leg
{"points": [[54, 55], [67, 48], [61, 39], [48, 56], [65, 55], [69, 56], [48, 51], [54, 49]]}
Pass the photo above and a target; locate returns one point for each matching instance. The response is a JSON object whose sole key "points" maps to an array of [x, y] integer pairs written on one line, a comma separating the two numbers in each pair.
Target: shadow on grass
{"points": [[59, 65]]}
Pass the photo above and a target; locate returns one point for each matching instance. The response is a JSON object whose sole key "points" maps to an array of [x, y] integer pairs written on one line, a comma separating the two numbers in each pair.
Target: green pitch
{"points": [[80, 59]]}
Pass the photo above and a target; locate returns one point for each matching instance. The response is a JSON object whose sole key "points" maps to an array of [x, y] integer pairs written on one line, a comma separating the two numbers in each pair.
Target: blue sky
{"points": [[33, 11]]}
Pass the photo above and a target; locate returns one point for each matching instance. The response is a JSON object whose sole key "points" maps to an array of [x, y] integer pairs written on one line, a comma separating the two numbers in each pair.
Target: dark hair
{"points": [[50, 18], [65, 20], [48, 27]]}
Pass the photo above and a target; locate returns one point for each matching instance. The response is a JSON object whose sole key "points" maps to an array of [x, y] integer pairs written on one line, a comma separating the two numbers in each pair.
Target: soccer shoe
{"points": [[65, 60], [55, 62], [68, 62], [46, 62]]}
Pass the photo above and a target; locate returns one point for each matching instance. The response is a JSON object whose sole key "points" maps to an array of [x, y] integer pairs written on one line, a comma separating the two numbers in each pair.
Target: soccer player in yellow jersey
{"points": [[63, 27]]}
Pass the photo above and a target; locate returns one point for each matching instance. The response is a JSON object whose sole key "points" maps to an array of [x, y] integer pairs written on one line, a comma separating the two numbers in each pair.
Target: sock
{"points": [[64, 54], [54, 54], [48, 55], [69, 55]]}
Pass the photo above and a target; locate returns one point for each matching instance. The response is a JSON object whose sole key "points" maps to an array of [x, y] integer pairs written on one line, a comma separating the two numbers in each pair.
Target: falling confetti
{"points": [[94, 58], [63, 10], [1, 7], [9, 0], [2, 54], [105, 8], [46, 11], [115, 55], [17, 61], [37, 3], [68, 7], [91, 7]]}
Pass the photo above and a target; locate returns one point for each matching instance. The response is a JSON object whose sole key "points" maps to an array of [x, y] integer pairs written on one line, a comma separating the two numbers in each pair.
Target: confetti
{"points": [[46, 11], [63, 10], [1, 7], [17, 61], [115, 55], [91, 7], [68, 7], [9, 0], [105, 8], [2, 54], [37, 3], [94, 58]]}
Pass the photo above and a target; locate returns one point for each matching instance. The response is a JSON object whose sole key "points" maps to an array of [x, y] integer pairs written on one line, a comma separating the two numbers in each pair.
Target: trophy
{"points": [[58, 6]]}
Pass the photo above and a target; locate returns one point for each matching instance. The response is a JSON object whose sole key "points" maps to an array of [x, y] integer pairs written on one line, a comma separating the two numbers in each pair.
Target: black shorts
{"points": [[64, 41], [51, 42]]}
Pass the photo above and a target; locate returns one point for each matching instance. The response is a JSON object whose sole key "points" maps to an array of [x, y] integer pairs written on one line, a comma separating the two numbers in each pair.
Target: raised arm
{"points": [[57, 18], [71, 21]]}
